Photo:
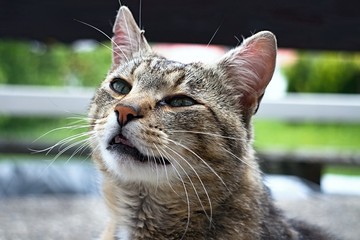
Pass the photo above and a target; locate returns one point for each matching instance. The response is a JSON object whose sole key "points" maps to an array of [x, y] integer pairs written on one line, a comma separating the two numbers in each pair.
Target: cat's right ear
{"points": [[249, 68], [128, 39]]}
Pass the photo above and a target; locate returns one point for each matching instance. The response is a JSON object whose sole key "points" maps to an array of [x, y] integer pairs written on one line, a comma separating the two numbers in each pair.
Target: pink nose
{"points": [[124, 114]]}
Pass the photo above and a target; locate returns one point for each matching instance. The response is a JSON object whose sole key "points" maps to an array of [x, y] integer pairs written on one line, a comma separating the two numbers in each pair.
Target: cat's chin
{"points": [[121, 146]]}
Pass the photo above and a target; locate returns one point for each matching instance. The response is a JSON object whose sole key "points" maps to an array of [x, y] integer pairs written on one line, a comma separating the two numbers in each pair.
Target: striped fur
{"points": [[194, 175]]}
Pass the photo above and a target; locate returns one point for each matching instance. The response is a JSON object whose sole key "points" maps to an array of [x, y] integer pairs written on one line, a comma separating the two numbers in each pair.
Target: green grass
{"points": [[342, 170], [39, 129], [312, 136]]}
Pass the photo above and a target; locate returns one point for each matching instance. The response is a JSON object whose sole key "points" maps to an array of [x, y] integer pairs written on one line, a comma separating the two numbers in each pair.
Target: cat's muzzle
{"points": [[123, 146]]}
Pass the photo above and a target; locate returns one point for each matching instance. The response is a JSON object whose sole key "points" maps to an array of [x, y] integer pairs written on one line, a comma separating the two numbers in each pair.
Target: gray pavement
{"points": [[83, 217]]}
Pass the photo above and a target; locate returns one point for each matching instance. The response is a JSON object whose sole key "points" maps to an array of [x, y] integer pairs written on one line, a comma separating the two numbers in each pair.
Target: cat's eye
{"points": [[120, 86], [180, 101]]}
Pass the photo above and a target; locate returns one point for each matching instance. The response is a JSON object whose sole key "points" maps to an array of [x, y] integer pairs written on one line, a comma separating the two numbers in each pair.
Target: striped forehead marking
{"points": [[159, 72]]}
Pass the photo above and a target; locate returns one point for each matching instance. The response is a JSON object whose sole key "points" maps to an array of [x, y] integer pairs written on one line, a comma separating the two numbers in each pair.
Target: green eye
{"points": [[181, 101], [120, 86]]}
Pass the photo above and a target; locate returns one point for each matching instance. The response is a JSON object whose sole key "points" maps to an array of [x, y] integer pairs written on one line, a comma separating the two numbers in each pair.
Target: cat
{"points": [[173, 142]]}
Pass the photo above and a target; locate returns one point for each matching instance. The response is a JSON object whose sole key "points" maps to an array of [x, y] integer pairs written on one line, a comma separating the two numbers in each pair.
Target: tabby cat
{"points": [[174, 143]]}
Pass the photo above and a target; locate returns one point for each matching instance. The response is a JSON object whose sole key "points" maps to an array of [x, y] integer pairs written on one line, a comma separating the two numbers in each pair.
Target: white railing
{"points": [[55, 101], [313, 107], [44, 101]]}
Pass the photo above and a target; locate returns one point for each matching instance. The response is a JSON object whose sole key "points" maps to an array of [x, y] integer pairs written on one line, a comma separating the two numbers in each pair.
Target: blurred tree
{"points": [[327, 72], [57, 64]]}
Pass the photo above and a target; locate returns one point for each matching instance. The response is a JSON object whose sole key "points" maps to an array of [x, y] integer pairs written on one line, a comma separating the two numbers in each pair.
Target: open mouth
{"points": [[120, 144]]}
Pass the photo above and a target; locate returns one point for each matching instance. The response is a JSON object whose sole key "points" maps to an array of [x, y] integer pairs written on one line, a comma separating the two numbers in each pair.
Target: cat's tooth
{"points": [[118, 139]]}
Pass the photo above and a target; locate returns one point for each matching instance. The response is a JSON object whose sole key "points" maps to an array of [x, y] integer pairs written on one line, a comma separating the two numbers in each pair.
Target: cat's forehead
{"points": [[156, 72]]}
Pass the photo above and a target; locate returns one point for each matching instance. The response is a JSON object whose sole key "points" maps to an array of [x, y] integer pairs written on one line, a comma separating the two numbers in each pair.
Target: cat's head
{"points": [[155, 120]]}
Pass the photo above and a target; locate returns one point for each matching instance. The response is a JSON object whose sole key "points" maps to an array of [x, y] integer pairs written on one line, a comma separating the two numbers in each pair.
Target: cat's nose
{"points": [[125, 114]]}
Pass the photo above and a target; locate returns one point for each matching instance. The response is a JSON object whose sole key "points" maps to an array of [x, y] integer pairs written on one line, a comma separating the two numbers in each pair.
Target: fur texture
{"points": [[174, 143]]}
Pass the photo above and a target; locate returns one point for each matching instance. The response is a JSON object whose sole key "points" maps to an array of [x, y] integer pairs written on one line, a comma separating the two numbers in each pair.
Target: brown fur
{"points": [[198, 178]]}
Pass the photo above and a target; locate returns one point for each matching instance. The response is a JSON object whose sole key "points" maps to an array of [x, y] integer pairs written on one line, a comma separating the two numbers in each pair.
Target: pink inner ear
{"points": [[124, 30], [128, 39], [119, 47], [266, 66], [260, 53], [249, 67]]}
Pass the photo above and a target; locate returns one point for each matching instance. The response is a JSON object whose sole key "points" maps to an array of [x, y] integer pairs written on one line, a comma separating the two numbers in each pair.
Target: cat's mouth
{"points": [[122, 145]]}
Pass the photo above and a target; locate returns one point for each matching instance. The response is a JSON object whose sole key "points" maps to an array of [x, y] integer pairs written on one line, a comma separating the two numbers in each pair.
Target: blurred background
{"points": [[307, 130]]}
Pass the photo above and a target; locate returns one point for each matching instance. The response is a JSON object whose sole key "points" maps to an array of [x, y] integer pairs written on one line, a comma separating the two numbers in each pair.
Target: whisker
{"points": [[140, 8], [157, 170], [201, 182], [154, 166], [71, 139], [62, 142], [213, 36], [89, 155], [166, 172], [69, 147], [206, 133], [64, 150], [112, 51], [185, 189], [108, 37], [206, 164], [72, 127], [83, 144], [242, 160]]}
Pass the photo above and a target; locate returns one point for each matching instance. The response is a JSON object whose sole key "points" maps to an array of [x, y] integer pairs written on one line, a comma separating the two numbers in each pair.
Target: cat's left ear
{"points": [[249, 68], [128, 39]]}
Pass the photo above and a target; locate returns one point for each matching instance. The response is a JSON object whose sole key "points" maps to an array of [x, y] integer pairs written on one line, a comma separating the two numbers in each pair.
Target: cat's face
{"points": [[157, 117], [156, 120]]}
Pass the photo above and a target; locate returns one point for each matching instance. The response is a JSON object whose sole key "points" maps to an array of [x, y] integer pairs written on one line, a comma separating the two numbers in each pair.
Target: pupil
{"points": [[120, 87]]}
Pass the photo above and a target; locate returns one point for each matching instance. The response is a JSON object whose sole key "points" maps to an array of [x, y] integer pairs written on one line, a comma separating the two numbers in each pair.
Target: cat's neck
{"points": [[167, 211], [145, 210]]}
